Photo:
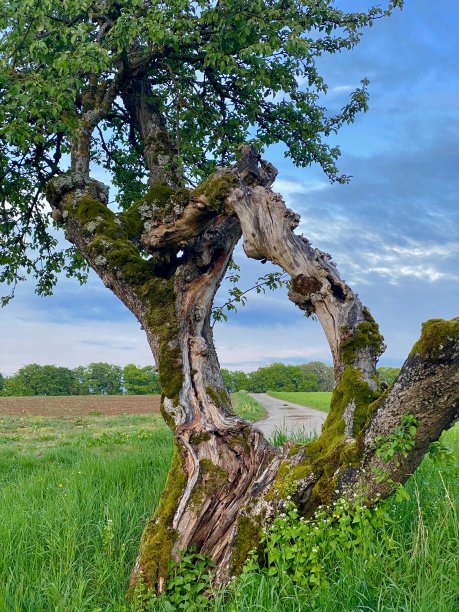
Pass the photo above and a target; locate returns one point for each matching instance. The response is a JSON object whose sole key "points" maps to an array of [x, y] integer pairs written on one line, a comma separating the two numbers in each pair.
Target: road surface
{"points": [[288, 417]]}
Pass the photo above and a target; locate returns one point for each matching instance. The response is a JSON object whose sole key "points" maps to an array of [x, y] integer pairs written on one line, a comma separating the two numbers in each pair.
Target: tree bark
{"points": [[165, 258]]}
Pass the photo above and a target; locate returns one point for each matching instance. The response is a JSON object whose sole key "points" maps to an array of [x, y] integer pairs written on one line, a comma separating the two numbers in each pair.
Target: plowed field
{"points": [[80, 405]]}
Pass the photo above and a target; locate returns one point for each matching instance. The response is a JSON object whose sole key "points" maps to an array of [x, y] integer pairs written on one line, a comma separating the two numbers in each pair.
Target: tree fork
{"points": [[226, 480]]}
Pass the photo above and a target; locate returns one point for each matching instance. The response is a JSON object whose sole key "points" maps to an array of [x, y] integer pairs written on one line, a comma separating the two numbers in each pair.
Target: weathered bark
{"points": [[158, 148], [226, 479]]}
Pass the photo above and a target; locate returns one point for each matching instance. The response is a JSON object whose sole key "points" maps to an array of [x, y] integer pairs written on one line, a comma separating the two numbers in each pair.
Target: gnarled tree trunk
{"points": [[165, 258]]}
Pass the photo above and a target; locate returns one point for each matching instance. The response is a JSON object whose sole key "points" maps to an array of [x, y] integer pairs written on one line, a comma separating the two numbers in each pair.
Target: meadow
{"points": [[75, 493], [320, 400]]}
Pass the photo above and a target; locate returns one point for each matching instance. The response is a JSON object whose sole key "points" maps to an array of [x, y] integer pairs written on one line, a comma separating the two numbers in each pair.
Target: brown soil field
{"points": [[80, 405]]}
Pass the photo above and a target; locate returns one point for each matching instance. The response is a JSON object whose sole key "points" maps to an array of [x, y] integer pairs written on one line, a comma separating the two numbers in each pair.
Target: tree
{"points": [[2, 382], [324, 373], [163, 94], [34, 379], [388, 375], [228, 381], [103, 379], [140, 381], [281, 377]]}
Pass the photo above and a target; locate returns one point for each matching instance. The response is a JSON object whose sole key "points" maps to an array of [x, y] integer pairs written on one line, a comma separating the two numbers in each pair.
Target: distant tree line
{"points": [[108, 379], [93, 379], [312, 376]]}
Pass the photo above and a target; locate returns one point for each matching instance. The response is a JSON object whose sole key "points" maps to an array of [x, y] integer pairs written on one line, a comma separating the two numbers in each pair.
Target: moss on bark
{"points": [[332, 453], [436, 335], [365, 336], [159, 535], [248, 537], [216, 188], [111, 242]]}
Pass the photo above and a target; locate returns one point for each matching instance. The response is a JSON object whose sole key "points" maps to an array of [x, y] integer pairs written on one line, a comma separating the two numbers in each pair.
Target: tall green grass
{"points": [[72, 508], [313, 399], [74, 497]]}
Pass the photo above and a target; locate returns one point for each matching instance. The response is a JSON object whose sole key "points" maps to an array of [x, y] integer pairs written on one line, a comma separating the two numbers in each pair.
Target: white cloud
{"points": [[71, 345], [341, 88], [288, 187], [241, 347]]}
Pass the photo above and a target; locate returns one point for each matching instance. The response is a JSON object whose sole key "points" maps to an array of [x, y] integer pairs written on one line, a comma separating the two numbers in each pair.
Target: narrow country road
{"points": [[288, 417]]}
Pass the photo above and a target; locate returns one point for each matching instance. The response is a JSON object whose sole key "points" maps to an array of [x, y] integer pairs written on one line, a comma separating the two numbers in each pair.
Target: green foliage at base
{"points": [[403, 557], [300, 550], [188, 586]]}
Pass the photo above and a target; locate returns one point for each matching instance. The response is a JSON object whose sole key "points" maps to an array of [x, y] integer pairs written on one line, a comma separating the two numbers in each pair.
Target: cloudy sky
{"points": [[394, 231]]}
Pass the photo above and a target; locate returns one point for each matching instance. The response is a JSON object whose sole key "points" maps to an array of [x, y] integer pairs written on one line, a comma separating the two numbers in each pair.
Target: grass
{"points": [[75, 494], [313, 399], [74, 498], [247, 407], [300, 436]]}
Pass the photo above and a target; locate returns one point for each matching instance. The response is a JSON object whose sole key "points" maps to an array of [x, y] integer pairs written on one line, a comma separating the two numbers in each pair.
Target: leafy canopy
{"points": [[220, 73]]}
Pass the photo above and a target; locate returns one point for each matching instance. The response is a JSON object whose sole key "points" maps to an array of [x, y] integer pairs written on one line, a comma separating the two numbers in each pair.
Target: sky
{"points": [[393, 231]]}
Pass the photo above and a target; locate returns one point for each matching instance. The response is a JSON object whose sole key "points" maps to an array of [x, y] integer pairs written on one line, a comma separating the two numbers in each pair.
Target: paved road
{"points": [[288, 417]]}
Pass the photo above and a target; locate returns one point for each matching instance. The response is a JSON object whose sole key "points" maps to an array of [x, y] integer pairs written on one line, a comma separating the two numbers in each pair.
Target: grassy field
{"points": [[317, 399], [247, 407], [75, 494], [74, 497]]}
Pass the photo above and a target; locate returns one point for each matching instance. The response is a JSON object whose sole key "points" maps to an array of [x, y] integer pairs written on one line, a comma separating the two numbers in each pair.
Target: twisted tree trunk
{"points": [[165, 258]]}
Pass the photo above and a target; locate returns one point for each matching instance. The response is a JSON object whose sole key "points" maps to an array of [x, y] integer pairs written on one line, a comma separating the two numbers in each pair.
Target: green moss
{"points": [[166, 416], [241, 439], [294, 448], [211, 392], [211, 479], [198, 438], [159, 536], [219, 397], [88, 209], [366, 335], [331, 454], [216, 188], [123, 258], [248, 537], [164, 199], [286, 482], [160, 296], [132, 220], [436, 335], [350, 388], [159, 195]]}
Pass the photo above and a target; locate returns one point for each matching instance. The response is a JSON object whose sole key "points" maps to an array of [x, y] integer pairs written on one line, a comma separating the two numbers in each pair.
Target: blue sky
{"points": [[394, 231]]}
